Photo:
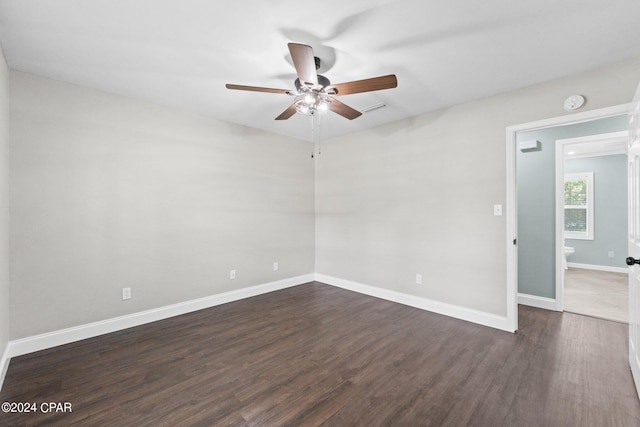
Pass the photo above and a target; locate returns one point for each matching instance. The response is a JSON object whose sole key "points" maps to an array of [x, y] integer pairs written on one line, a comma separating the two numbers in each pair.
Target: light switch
{"points": [[497, 210]]}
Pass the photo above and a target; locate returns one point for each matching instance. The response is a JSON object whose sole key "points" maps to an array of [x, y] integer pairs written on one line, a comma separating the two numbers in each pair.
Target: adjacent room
{"points": [[279, 213], [585, 164]]}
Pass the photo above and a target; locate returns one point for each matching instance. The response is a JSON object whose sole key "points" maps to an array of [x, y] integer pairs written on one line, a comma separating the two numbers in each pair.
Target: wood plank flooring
{"points": [[319, 355]]}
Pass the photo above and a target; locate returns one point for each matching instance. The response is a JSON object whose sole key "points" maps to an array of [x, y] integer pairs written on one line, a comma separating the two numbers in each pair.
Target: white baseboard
{"points": [[65, 336], [89, 330], [598, 267], [539, 302], [4, 365], [462, 313]]}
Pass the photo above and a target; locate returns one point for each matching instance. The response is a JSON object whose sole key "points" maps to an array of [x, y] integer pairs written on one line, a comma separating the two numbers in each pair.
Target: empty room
{"points": [[280, 213]]}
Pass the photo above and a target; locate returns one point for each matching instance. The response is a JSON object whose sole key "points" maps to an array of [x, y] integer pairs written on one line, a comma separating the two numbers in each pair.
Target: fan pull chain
{"points": [[319, 134], [315, 136]]}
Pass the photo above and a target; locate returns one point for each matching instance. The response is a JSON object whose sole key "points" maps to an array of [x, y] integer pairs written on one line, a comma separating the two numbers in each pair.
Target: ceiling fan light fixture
{"points": [[323, 106], [312, 103], [302, 108]]}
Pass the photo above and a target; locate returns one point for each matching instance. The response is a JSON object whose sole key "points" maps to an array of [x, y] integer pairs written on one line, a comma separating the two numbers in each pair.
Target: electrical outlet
{"points": [[611, 254], [126, 293], [497, 210], [418, 279], [232, 274], [275, 266]]}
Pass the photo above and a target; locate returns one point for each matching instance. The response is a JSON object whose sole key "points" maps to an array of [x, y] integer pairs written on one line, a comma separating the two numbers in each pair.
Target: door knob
{"points": [[631, 261]]}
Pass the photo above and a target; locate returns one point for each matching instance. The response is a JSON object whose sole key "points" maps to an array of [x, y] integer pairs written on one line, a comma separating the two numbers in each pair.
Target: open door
{"points": [[634, 239]]}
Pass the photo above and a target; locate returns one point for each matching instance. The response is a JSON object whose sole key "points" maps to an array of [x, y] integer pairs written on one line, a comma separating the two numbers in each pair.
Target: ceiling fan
{"points": [[314, 93]]}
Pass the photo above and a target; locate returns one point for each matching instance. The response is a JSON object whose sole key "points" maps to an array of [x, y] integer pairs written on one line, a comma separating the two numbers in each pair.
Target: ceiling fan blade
{"points": [[343, 109], [287, 113], [366, 85], [258, 89], [305, 63]]}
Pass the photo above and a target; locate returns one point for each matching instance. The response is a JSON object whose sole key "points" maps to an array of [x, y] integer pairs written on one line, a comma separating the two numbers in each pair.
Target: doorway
{"points": [[546, 296], [591, 223]]}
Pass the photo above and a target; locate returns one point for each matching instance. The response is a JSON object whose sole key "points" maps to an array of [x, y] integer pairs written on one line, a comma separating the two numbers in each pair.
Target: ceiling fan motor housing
{"points": [[322, 82]]}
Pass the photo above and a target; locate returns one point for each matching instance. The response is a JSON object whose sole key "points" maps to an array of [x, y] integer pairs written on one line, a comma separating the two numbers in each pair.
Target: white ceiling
{"points": [[181, 53]]}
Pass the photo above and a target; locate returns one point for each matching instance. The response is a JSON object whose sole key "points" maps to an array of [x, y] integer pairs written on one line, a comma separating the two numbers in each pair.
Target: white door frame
{"points": [[634, 240], [559, 181], [511, 205]]}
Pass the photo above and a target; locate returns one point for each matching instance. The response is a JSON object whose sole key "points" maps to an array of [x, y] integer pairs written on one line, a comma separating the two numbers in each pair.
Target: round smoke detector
{"points": [[574, 102]]}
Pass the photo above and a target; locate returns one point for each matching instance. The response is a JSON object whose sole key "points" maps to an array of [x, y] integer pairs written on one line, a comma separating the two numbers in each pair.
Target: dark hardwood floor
{"points": [[319, 355]]}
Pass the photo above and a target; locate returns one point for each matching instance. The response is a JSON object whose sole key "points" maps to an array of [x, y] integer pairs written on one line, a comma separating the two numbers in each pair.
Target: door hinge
{"points": [[515, 241]]}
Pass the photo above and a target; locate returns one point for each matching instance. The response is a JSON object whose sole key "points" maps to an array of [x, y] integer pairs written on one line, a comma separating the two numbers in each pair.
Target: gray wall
{"points": [[417, 196], [4, 203], [109, 192], [610, 211], [535, 179]]}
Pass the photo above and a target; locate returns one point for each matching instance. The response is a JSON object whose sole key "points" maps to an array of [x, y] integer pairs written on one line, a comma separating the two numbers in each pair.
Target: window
{"points": [[578, 206]]}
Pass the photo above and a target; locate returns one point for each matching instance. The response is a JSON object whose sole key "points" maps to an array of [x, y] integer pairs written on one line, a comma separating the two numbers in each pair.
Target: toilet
{"points": [[568, 251]]}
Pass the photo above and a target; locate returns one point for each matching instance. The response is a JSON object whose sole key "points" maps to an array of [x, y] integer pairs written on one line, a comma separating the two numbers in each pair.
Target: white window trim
{"points": [[589, 233]]}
